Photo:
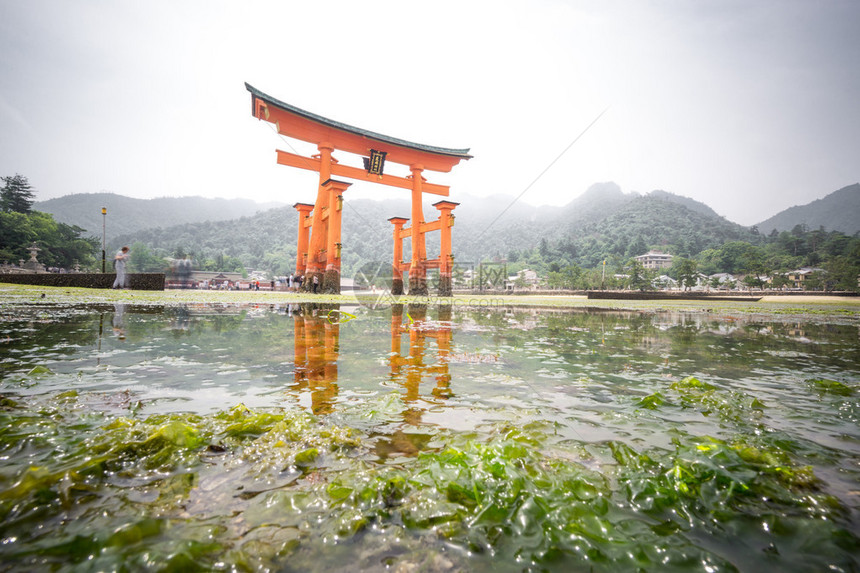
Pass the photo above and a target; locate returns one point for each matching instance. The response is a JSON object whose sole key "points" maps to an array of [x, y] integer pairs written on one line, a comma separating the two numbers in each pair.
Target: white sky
{"points": [[750, 107]]}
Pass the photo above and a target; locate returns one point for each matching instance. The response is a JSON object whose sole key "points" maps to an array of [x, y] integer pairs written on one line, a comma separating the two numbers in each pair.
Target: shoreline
{"points": [[30, 294]]}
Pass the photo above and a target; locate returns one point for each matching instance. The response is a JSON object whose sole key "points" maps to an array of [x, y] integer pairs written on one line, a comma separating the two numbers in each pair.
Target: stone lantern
{"points": [[33, 265]]}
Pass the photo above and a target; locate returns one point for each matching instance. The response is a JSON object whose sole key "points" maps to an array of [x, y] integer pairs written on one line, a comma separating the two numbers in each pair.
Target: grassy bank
{"points": [[820, 306]]}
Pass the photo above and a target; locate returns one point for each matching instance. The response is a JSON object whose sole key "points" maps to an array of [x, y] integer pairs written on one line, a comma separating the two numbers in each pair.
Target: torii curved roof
{"points": [[313, 128]]}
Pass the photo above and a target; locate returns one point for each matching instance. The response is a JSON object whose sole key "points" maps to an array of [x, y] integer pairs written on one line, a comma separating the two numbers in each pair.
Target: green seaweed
{"points": [[652, 401], [708, 399], [689, 472], [827, 386], [500, 495]]}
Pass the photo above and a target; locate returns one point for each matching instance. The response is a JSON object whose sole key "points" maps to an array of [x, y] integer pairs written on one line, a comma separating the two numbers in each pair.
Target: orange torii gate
{"points": [[319, 243]]}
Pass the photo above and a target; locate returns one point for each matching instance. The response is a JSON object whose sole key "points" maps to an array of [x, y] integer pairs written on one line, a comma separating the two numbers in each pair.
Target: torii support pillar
{"points": [[397, 266], [417, 272], [304, 210], [315, 268], [446, 259], [331, 279]]}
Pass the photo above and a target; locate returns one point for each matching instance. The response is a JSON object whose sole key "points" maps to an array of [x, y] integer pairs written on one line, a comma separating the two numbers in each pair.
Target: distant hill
{"points": [[691, 204], [602, 222], [270, 234], [839, 211], [681, 227], [495, 226], [125, 214]]}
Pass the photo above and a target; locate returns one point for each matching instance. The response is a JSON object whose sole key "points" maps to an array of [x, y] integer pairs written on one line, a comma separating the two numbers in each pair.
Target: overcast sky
{"points": [[748, 106]]}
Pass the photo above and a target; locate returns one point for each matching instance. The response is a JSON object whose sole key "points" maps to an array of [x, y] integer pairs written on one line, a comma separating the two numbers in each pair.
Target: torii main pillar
{"points": [[417, 267], [315, 268], [319, 243], [331, 277]]}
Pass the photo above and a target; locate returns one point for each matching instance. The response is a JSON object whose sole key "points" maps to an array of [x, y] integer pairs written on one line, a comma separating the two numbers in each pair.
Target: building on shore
{"points": [[798, 278], [655, 260]]}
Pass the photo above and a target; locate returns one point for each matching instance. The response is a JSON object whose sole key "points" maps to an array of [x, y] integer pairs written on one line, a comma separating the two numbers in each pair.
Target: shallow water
{"points": [[416, 438]]}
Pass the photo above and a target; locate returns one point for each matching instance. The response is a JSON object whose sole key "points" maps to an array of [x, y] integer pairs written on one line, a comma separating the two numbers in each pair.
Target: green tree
{"points": [[638, 276], [814, 281], [620, 245], [754, 261], [684, 271], [543, 249], [816, 239], [843, 273], [731, 256], [709, 261], [554, 280], [17, 194], [15, 234], [753, 281], [573, 277], [144, 260], [779, 280], [637, 247], [837, 244], [62, 245]]}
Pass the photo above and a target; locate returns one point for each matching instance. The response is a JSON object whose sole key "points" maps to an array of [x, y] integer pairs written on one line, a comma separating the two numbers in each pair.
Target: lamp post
{"points": [[104, 226]]}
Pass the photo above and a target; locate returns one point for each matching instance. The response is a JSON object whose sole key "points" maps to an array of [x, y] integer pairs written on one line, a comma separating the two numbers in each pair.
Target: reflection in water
{"points": [[410, 367], [622, 433], [576, 366], [119, 320], [316, 350], [181, 321]]}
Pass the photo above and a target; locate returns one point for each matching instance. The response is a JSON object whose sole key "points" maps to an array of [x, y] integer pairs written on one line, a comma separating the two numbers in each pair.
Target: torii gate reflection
{"points": [[317, 344], [317, 348], [410, 368], [318, 257]]}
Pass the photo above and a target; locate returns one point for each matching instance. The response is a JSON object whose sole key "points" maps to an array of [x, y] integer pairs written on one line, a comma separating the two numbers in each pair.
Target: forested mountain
{"points": [[596, 203], [603, 229], [602, 222], [125, 214], [494, 227], [691, 204], [648, 222], [839, 211], [268, 240]]}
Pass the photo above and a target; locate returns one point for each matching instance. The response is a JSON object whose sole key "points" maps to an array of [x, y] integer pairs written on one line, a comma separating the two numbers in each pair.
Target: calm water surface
{"points": [[416, 438]]}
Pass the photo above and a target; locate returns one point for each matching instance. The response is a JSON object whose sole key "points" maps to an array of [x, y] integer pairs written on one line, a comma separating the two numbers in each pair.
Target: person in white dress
{"points": [[119, 262]]}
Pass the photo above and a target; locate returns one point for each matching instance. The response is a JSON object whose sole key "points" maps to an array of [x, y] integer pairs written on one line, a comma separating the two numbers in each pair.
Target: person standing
{"points": [[119, 263]]}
